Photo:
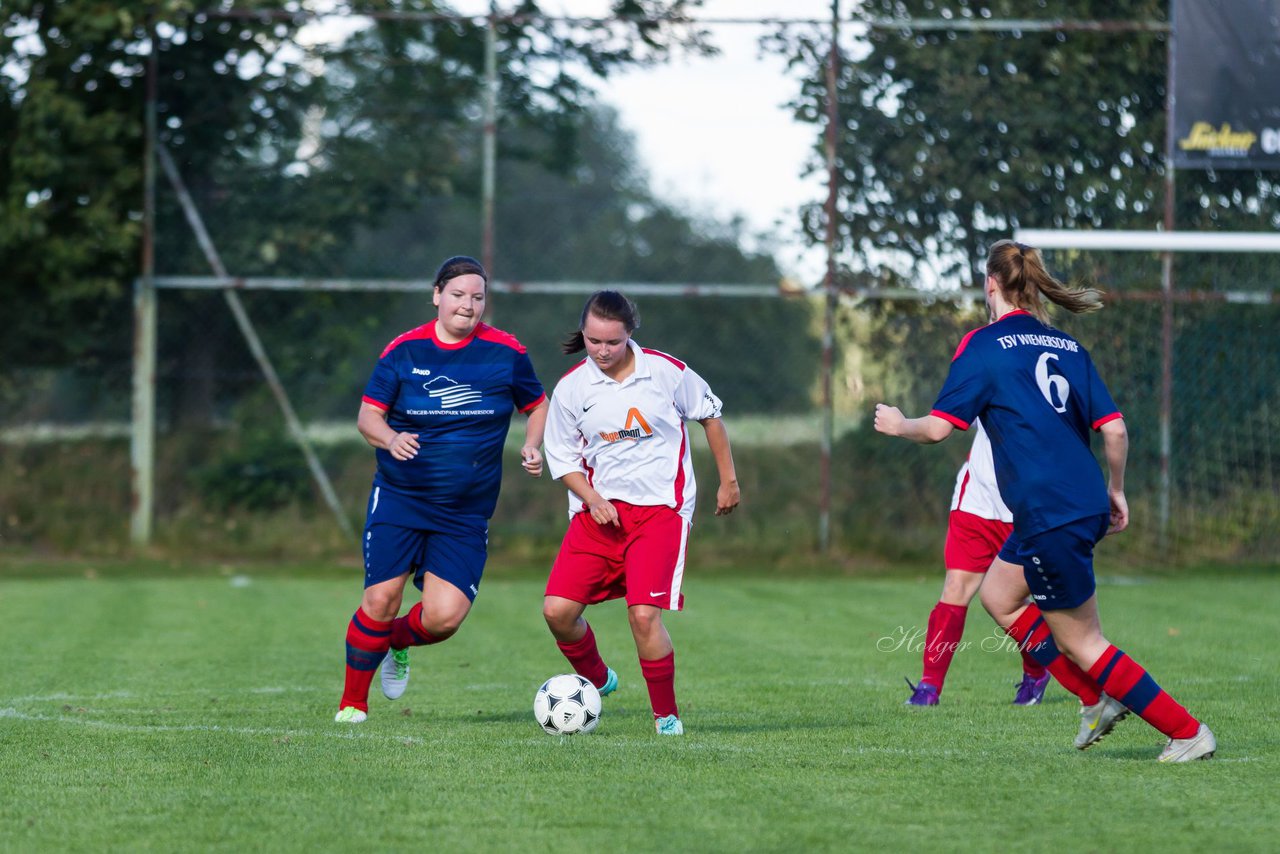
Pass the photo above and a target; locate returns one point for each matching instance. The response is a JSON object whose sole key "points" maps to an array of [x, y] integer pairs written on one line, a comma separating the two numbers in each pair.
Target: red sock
{"points": [[1030, 666], [367, 643], [1123, 678], [1034, 639], [407, 631], [661, 678], [946, 627], [584, 657]]}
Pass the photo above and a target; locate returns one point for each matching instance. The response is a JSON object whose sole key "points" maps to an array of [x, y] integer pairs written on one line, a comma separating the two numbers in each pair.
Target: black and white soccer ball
{"points": [[567, 704]]}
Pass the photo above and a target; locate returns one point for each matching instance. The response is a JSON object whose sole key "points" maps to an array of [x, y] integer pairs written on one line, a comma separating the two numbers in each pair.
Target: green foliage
{"points": [[193, 710], [951, 139], [287, 149], [70, 170], [262, 470]]}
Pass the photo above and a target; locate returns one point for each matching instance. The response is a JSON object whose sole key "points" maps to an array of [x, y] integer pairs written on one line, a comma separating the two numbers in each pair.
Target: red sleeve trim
{"points": [[376, 404], [533, 405], [1104, 419], [485, 332], [426, 330], [963, 425], [672, 359], [964, 342]]}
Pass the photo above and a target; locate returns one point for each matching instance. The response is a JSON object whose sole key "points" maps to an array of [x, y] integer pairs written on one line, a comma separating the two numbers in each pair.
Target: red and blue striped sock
{"points": [[1031, 667], [408, 631], [584, 657], [1034, 639], [1126, 680], [660, 675], [367, 643], [942, 638]]}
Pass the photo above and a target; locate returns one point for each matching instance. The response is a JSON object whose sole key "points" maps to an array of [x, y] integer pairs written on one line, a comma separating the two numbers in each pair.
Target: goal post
{"points": [[1150, 241]]}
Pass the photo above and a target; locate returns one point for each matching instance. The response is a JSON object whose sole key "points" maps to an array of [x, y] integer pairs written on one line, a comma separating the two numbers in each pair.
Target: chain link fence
{"points": [[230, 480]]}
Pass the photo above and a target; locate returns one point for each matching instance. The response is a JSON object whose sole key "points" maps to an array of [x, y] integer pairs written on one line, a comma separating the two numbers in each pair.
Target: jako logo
{"points": [[630, 433], [422, 372]]}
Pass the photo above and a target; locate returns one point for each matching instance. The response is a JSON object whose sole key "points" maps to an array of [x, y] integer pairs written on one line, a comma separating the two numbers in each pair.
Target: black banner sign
{"points": [[1226, 84]]}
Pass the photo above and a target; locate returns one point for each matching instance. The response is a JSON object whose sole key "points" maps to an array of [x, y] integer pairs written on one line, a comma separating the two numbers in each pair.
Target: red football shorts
{"points": [[973, 542], [641, 558]]}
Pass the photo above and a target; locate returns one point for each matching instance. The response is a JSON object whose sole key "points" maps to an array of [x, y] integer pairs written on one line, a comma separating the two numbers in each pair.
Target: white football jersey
{"points": [[629, 438], [976, 491]]}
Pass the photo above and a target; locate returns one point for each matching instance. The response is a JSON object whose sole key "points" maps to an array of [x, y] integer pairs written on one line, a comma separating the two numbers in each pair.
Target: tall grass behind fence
{"points": [[231, 483]]}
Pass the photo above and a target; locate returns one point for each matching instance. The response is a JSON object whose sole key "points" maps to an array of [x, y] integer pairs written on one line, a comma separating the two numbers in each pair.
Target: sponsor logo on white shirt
{"points": [[636, 428]]}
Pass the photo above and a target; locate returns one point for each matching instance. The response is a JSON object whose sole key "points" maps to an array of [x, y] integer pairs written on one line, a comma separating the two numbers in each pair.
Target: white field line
{"points": [[348, 734], [150, 695]]}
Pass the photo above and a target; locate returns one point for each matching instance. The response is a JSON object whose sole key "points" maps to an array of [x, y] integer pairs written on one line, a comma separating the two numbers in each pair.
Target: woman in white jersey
{"points": [[616, 437], [976, 529]]}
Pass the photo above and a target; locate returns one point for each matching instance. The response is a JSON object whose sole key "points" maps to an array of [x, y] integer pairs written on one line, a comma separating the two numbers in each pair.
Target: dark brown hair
{"points": [[1023, 279], [459, 265], [606, 305]]}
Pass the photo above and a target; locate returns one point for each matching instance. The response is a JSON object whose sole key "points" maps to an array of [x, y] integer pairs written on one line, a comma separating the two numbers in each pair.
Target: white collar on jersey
{"points": [[641, 369]]}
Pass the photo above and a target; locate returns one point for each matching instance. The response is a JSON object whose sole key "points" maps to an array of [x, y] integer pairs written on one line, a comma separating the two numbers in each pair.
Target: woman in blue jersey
{"points": [[1039, 397], [437, 409]]}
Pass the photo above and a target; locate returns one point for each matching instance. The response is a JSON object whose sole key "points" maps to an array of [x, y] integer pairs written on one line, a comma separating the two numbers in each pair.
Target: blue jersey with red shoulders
{"points": [[1039, 396], [459, 399]]}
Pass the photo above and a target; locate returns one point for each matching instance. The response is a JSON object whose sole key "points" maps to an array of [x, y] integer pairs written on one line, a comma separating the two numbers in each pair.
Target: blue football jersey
{"points": [[1039, 397], [459, 399]]}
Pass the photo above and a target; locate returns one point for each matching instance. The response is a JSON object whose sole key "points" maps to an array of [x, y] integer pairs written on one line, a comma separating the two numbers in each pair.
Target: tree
{"points": [[286, 148], [951, 139]]}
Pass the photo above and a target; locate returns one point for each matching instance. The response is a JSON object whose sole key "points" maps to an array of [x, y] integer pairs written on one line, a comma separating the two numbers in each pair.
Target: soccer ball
{"points": [[567, 704]]}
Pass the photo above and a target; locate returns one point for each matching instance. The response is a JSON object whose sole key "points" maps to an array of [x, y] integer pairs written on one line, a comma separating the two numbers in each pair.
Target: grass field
{"points": [[147, 713]]}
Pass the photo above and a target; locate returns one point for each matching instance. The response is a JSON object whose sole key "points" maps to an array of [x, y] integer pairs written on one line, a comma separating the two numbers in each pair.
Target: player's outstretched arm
{"points": [[925, 430], [728, 496]]}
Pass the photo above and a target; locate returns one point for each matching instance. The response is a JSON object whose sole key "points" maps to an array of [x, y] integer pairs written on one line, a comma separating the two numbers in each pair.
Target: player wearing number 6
{"points": [[1039, 397]]}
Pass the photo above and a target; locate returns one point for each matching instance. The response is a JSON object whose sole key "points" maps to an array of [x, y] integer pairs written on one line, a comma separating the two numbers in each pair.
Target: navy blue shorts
{"points": [[406, 534], [1058, 563]]}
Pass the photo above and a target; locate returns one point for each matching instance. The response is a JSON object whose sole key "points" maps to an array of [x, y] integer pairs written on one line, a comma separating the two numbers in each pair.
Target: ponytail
{"points": [[1024, 280]]}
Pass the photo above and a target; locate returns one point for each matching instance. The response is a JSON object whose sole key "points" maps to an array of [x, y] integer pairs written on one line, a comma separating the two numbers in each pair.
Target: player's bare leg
{"points": [[1004, 592], [436, 618], [444, 607], [1078, 632], [577, 642], [564, 618]]}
